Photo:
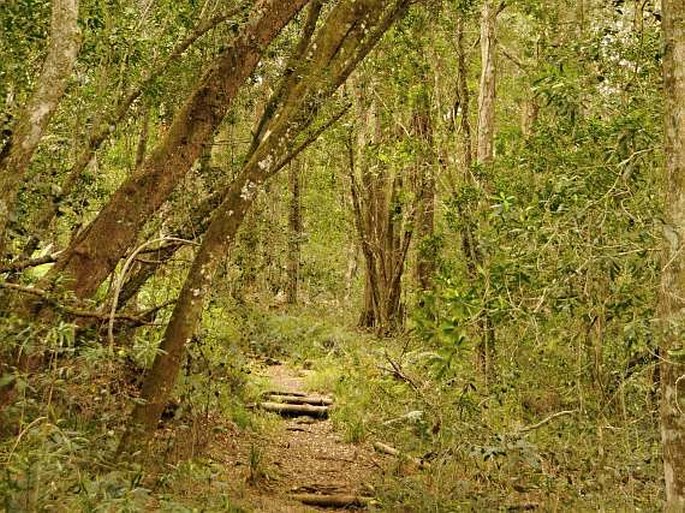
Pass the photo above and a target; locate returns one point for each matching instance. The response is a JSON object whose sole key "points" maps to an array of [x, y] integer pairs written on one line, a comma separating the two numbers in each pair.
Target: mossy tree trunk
{"points": [[102, 129], [672, 292]]}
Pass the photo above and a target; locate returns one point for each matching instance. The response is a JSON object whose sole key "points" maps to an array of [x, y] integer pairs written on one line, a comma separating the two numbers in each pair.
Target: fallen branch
{"points": [[397, 371], [546, 420], [387, 449], [332, 501], [295, 410]]}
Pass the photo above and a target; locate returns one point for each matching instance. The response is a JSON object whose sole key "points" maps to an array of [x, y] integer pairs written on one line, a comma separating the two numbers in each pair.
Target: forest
{"points": [[320, 255]]}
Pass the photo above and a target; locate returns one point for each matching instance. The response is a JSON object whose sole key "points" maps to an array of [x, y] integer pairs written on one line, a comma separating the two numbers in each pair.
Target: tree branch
{"points": [[546, 420], [77, 312], [20, 265]]}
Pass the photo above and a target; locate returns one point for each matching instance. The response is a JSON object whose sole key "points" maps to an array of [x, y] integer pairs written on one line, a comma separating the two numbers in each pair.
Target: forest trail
{"points": [[305, 456]]}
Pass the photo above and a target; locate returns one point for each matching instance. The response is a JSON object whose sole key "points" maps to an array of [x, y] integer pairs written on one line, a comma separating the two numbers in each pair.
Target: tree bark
{"points": [[422, 129], [486, 96], [473, 254], [141, 148], [63, 47], [672, 291], [93, 254], [485, 154]]}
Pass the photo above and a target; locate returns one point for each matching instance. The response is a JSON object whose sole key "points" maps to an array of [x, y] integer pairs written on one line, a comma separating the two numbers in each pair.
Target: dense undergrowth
{"points": [[537, 437]]}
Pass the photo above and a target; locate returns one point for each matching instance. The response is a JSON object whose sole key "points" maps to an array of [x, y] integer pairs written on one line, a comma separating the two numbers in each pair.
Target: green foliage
{"points": [[566, 219], [23, 25]]}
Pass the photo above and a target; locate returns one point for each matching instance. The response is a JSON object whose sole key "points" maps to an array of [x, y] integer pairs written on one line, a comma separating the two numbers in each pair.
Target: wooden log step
{"points": [[295, 410], [298, 399], [285, 392], [322, 489], [332, 501]]}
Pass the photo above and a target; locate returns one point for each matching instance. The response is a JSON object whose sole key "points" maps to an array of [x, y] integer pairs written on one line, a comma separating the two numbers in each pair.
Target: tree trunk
{"points": [[161, 379], [473, 254], [63, 47], [295, 225], [383, 227], [485, 155], [141, 148], [422, 129], [192, 228], [93, 254], [486, 95], [672, 291]]}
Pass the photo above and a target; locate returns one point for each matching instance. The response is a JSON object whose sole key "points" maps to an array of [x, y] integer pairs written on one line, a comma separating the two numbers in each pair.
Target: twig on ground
{"points": [[387, 449], [397, 371]]}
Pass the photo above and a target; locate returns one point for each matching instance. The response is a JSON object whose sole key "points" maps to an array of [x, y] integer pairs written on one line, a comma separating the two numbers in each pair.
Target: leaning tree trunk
{"points": [[93, 254], [102, 129], [63, 46], [351, 30], [187, 313], [672, 292]]}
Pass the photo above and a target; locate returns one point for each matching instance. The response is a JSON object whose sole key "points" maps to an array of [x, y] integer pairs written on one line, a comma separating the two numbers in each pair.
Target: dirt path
{"points": [[305, 456]]}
